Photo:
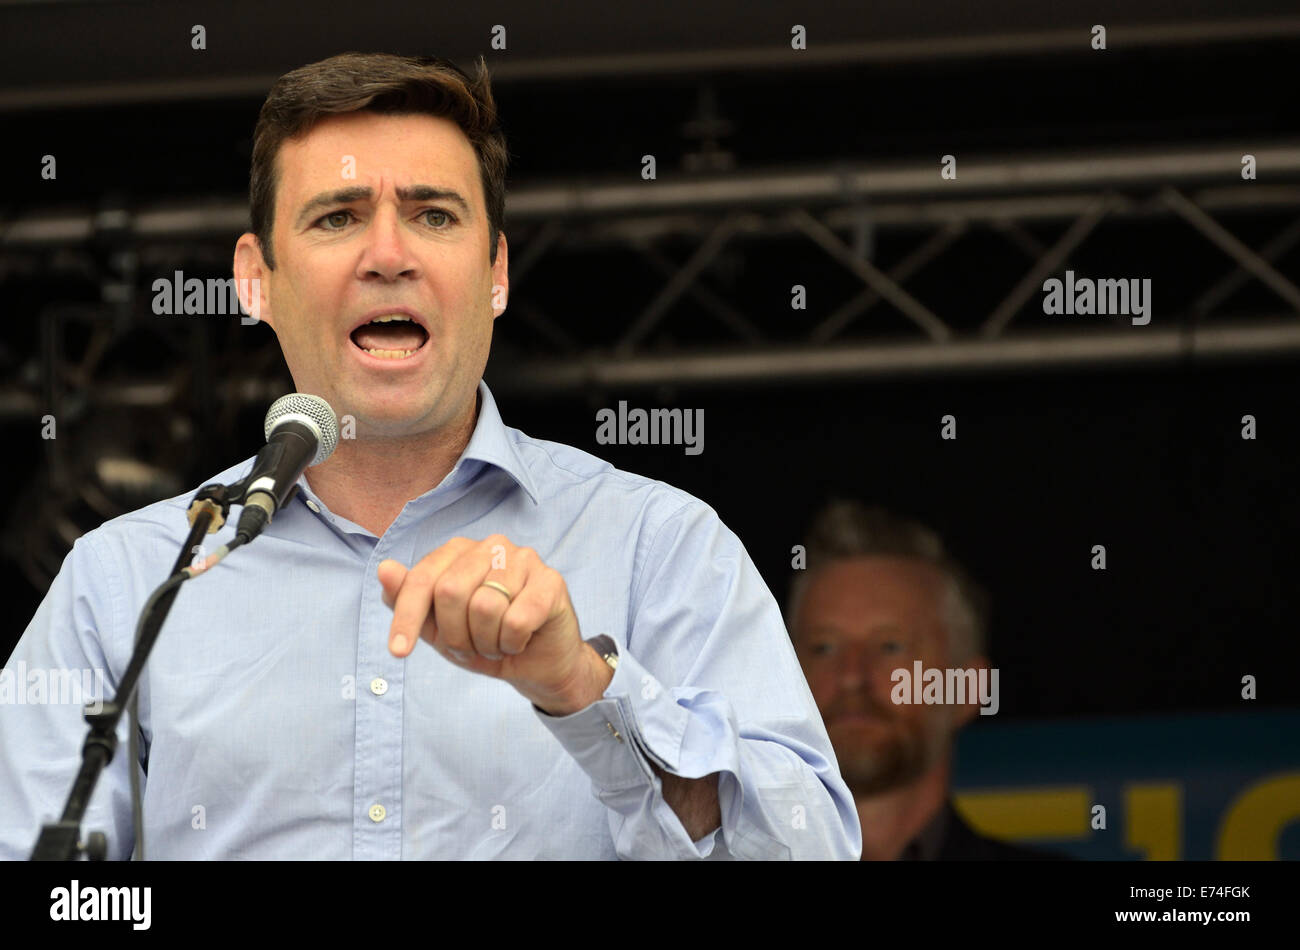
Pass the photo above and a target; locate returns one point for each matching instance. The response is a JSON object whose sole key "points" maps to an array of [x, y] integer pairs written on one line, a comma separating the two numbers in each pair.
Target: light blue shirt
{"points": [[276, 724]]}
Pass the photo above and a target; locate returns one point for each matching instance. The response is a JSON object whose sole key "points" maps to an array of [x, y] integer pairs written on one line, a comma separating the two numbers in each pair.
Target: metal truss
{"points": [[680, 231], [1004, 199]]}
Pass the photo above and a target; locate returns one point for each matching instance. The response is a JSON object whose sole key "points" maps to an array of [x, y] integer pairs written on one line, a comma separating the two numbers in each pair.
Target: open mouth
{"points": [[390, 337]]}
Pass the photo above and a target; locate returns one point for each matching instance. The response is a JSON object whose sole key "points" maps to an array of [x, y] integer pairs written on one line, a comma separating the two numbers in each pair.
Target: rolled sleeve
{"points": [[618, 739], [738, 705]]}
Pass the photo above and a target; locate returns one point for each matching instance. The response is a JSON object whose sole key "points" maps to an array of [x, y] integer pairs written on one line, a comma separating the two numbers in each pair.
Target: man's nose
{"points": [[854, 668], [388, 252]]}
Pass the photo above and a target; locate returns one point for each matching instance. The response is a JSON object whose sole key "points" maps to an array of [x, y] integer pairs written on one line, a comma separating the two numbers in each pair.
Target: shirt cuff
{"points": [[617, 738], [638, 723]]}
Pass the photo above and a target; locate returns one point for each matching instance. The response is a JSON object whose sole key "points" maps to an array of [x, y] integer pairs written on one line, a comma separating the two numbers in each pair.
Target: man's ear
{"points": [[500, 277], [250, 280]]}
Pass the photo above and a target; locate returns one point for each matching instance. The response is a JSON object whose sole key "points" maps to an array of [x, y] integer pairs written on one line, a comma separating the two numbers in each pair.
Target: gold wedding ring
{"points": [[499, 587]]}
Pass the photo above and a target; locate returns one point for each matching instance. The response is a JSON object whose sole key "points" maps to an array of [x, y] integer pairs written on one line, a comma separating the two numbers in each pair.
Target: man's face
{"points": [[341, 259], [858, 621]]}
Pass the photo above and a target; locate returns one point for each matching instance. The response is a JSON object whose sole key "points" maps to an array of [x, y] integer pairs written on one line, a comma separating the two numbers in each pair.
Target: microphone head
{"points": [[311, 411]]}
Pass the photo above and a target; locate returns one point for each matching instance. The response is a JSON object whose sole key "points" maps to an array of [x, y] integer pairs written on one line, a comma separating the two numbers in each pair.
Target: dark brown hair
{"points": [[383, 83]]}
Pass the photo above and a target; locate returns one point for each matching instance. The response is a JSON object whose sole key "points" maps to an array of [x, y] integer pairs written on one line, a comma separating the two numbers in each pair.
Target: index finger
{"points": [[414, 602]]}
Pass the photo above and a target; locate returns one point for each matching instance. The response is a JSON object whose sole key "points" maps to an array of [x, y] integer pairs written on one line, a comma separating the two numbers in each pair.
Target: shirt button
{"points": [[379, 686], [313, 506], [378, 813]]}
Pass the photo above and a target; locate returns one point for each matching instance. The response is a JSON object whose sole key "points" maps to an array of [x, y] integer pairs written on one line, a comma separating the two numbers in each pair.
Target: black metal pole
{"points": [[61, 841]]}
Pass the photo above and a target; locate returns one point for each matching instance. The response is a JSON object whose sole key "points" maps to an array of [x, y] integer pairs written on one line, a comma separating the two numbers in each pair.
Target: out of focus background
{"points": [[1172, 154]]}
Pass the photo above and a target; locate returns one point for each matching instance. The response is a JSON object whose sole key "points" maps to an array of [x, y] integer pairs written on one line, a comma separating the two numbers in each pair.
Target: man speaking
{"points": [[456, 641]]}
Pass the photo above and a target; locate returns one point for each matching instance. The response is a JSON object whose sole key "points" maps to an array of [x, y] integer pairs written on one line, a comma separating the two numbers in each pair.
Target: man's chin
{"points": [[873, 757]]}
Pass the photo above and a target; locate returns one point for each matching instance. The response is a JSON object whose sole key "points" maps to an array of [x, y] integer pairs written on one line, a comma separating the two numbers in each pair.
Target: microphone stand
{"points": [[61, 841]]}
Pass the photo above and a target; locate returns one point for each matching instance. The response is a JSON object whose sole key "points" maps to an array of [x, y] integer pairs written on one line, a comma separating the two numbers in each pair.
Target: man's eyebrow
{"points": [[827, 629], [342, 196], [823, 629]]}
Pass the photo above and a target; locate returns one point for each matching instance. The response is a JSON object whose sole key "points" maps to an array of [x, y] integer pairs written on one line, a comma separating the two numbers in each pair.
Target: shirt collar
{"points": [[491, 443]]}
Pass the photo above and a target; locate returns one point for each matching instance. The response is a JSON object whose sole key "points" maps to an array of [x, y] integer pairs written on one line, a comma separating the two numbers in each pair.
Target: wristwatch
{"points": [[607, 648]]}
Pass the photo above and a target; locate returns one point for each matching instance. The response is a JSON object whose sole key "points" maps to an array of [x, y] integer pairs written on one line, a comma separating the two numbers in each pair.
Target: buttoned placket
{"points": [[379, 739]]}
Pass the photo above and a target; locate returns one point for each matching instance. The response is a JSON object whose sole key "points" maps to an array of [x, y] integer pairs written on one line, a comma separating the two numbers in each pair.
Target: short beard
{"points": [[909, 751]]}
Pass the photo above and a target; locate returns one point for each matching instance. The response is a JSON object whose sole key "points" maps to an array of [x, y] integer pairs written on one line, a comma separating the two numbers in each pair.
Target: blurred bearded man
{"points": [[880, 594]]}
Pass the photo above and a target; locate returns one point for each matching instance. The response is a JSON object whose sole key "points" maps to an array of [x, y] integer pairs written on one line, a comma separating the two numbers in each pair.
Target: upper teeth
{"points": [[388, 318]]}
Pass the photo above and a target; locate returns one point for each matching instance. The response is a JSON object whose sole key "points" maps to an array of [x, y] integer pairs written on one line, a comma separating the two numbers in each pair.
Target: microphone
{"points": [[301, 431]]}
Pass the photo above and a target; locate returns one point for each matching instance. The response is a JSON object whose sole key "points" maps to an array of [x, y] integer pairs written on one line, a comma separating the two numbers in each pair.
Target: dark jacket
{"points": [[949, 838]]}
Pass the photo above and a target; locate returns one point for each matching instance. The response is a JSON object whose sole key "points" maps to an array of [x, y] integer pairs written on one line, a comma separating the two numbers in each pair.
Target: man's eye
{"points": [[334, 214], [346, 214], [891, 646], [451, 218], [822, 649]]}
